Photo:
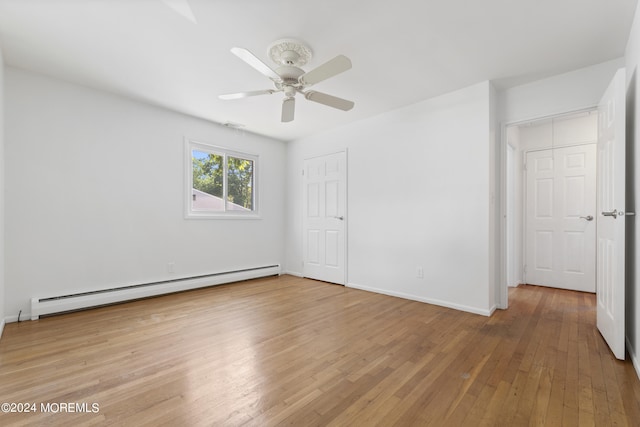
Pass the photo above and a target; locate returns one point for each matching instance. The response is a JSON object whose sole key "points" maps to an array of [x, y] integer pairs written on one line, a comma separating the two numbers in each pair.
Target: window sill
{"points": [[210, 215]]}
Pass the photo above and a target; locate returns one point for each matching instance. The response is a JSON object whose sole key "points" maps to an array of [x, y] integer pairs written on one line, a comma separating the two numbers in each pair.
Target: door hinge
{"points": [[302, 171]]}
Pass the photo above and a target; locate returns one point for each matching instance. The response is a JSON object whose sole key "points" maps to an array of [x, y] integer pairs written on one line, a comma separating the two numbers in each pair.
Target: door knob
{"points": [[614, 213], [339, 217], [588, 217]]}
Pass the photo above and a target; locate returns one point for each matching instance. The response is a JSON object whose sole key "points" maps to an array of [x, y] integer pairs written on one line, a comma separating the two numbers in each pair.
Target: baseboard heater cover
{"points": [[63, 303]]}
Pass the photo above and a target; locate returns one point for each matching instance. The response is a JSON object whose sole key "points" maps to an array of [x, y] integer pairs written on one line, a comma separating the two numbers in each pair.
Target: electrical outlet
{"points": [[419, 272], [171, 267]]}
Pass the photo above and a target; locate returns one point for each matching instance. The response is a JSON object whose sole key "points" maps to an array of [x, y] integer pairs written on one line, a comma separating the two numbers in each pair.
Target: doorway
{"points": [[550, 196]]}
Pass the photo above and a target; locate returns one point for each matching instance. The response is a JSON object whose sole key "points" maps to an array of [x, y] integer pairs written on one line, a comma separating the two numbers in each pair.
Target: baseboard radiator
{"points": [[83, 300]]}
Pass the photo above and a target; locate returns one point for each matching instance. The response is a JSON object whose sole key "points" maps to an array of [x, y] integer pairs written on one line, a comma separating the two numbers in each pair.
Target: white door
{"points": [[610, 218], [561, 206], [324, 210]]}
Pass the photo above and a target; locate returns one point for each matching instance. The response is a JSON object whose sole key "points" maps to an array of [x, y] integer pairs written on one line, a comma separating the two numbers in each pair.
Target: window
{"points": [[220, 182]]}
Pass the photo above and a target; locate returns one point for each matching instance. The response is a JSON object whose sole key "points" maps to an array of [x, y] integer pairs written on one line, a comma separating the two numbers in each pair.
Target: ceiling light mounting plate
{"points": [[289, 52]]}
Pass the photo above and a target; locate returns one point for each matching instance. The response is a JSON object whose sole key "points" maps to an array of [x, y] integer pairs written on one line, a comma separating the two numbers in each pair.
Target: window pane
{"points": [[240, 184], [207, 181]]}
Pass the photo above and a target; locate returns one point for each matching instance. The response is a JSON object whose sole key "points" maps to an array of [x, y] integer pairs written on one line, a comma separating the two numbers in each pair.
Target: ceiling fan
{"points": [[290, 79]]}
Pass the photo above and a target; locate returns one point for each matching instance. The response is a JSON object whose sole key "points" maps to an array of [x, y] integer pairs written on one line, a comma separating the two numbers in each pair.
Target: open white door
{"points": [[610, 218], [324, 210]]}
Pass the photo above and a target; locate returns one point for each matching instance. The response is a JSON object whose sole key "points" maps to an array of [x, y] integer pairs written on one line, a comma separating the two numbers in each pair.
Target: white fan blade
{"points": [[253, 60], [335, 66], [331, 101], [246, 94], [288, 108]]}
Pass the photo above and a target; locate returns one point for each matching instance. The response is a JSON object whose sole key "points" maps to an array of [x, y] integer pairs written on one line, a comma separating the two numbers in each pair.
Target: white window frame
{"points": [[190, 213]]}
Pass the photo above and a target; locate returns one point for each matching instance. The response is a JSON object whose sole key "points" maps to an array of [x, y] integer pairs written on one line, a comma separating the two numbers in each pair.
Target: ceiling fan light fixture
{"points": [[289, 91]]}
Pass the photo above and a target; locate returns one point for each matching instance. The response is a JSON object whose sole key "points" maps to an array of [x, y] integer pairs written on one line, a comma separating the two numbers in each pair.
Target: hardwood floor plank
{"points": [[475, 414], [291, 351], [543, 394], [492, 415]]}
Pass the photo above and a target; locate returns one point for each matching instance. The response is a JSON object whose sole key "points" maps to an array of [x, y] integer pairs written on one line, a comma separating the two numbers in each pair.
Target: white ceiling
{"points": [[402, 51]]}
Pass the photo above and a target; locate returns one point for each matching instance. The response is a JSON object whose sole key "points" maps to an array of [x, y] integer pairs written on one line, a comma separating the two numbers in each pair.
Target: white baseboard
{"points": [[1, 327], [460, 307], [13, 318], [293, 273], [634, 357]]}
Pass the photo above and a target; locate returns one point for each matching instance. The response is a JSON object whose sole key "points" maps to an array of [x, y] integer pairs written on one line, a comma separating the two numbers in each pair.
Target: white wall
{"points": [[572, 91], [418, 195], [2, 252], [95, 190], [633, 186], [495, 256]]}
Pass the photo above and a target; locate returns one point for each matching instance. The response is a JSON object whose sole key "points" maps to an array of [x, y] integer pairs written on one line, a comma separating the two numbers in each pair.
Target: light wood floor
{"points": [[298, 352]]}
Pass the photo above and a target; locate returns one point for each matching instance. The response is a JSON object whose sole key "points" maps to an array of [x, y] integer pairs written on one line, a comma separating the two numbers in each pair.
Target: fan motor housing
{"points": [[289, 74]]}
